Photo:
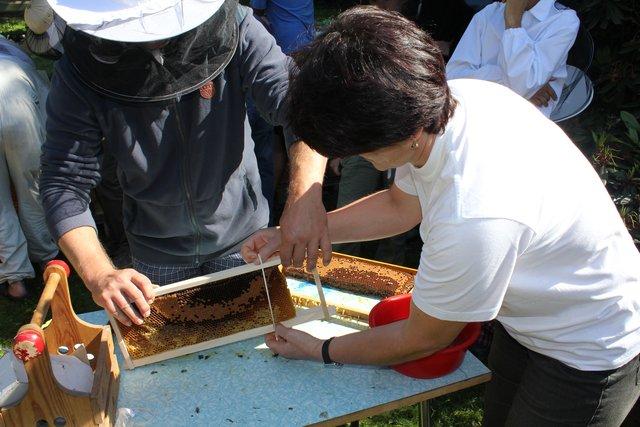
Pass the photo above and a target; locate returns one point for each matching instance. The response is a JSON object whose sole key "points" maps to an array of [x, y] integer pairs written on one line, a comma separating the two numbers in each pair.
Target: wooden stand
{"points": [[46, 400]]}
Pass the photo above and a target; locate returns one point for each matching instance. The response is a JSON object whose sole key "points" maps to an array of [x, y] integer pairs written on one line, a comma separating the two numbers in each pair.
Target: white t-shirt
{"points": [[517, 225], [524, 59]]}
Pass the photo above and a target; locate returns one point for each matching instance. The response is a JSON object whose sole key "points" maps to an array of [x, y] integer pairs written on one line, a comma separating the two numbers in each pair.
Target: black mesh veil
{"points": [[145, 72]]}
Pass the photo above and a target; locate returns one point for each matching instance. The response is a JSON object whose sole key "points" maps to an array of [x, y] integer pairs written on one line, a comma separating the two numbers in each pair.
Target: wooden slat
{"points": [[128, 363], [380, 263], [341, 310], [305, 315], [106, 369], [214, 277], [323, 302]]}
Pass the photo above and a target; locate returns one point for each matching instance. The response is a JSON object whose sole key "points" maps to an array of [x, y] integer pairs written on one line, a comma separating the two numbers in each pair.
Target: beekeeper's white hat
{"points": [[135, 20]]}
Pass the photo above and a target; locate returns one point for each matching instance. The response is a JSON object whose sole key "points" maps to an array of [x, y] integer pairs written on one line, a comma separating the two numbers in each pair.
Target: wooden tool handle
{"points": [[53, 273], [323, 302]]}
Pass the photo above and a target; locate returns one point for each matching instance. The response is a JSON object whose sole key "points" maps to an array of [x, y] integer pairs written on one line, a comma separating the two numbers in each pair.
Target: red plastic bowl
{"points": [[440, 363]]}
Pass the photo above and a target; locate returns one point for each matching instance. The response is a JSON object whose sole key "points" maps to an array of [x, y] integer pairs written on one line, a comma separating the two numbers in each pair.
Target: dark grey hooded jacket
{"points": [[187, 168]]}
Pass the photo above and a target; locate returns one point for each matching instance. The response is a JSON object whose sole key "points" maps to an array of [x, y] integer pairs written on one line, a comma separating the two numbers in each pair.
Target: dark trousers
{"points": [[263, 138], [529, 389]]}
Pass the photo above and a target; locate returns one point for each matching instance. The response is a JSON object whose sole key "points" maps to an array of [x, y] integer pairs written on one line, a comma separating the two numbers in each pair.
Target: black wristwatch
{"points": [[325, 354]]}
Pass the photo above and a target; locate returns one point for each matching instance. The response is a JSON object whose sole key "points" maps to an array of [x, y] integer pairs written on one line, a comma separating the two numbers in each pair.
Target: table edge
{"points": [[405, 401]]}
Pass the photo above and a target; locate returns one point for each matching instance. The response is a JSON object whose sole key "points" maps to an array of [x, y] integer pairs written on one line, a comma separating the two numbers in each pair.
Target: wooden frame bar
{"points": [[306, 315], [302, 316], [344, 309], [214, 277]]}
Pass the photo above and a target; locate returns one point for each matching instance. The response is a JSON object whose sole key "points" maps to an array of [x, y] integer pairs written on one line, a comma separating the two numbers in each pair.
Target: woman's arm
{"points": [[418, 336], [380, 215]]}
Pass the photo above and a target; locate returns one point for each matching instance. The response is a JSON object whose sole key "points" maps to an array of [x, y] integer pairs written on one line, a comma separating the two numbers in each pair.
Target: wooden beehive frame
{"points": [[302, 316], [346, 309]]}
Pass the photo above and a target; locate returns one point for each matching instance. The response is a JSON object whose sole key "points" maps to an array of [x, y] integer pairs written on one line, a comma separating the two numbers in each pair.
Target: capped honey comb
{"points": [[209, 311], [359, 276]]}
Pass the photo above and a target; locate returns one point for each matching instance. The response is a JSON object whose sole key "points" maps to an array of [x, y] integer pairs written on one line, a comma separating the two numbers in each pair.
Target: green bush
{"points": [[13, 28], [617, 160], [608, 130]]}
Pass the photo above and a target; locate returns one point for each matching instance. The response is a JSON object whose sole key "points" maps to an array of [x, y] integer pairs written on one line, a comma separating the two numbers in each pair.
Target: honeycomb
{"points": [[209, 311], [358, 276]]}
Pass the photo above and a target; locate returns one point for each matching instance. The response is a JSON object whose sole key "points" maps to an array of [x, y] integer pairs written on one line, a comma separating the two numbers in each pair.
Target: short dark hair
{"points": [[370, 81]]}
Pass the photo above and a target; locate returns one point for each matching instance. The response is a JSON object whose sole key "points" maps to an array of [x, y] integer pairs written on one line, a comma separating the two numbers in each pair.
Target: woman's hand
{"points": [[294, 344], [265, 242]]}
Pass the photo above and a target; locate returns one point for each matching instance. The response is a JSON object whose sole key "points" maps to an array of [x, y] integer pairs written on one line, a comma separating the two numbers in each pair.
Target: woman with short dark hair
{"points": [[516, 225]]}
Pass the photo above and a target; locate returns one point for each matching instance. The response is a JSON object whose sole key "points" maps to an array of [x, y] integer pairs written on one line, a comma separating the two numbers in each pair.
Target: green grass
{"points": [[15, 314], [325, 12], [463, 408], [12, 28]]}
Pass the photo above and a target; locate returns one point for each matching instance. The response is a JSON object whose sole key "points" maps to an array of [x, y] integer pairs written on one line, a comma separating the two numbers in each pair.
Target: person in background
{"points": [[359, 178], [445, 21], [44, 30], [44, 35], [292, 24], [24, 237], [516, 225], [521, 44]]}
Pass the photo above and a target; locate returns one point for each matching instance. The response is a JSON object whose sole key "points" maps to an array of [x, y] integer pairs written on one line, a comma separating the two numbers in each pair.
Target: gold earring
{"points": [[414, 145]]}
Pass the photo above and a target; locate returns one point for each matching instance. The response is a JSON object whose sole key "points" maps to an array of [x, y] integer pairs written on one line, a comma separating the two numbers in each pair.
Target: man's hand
{"points": [[542, 97], [264, 242], [117, 291], [294, 344], [114, 290], [304, 221], [513, 11]]}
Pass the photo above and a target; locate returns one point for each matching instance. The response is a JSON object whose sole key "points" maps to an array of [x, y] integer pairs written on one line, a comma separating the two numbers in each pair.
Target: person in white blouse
{"points": [[521, 44]]}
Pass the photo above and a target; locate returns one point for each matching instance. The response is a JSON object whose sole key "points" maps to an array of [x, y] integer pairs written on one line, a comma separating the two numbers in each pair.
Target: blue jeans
{"points": [[164, 274], [23, 234]]}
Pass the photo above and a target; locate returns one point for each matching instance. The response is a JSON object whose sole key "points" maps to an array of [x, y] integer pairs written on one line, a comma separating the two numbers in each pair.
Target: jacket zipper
{"points": [[185, 182]]}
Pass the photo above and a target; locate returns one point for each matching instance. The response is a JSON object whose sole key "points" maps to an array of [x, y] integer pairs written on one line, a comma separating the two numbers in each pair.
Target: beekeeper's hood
{"points": [[148, 50]]}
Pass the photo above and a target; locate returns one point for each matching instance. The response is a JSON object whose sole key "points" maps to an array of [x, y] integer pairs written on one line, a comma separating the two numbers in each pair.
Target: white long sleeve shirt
{"points": [[524, 59]]}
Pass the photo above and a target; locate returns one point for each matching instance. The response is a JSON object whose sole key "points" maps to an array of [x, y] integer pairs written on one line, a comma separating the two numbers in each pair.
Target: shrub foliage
{"points": [[608, 131]]}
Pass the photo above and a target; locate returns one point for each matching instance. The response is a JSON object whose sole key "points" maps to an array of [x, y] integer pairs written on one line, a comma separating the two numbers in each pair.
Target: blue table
{"points": [[242, 384]]}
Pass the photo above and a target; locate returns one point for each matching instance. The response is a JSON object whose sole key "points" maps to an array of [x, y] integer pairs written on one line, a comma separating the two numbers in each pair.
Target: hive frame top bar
{"points": [[214, 277]]}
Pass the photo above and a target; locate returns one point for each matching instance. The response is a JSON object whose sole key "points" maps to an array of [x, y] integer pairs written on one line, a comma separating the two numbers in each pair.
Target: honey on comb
{"points": [[209, 311], [359, 276]]}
